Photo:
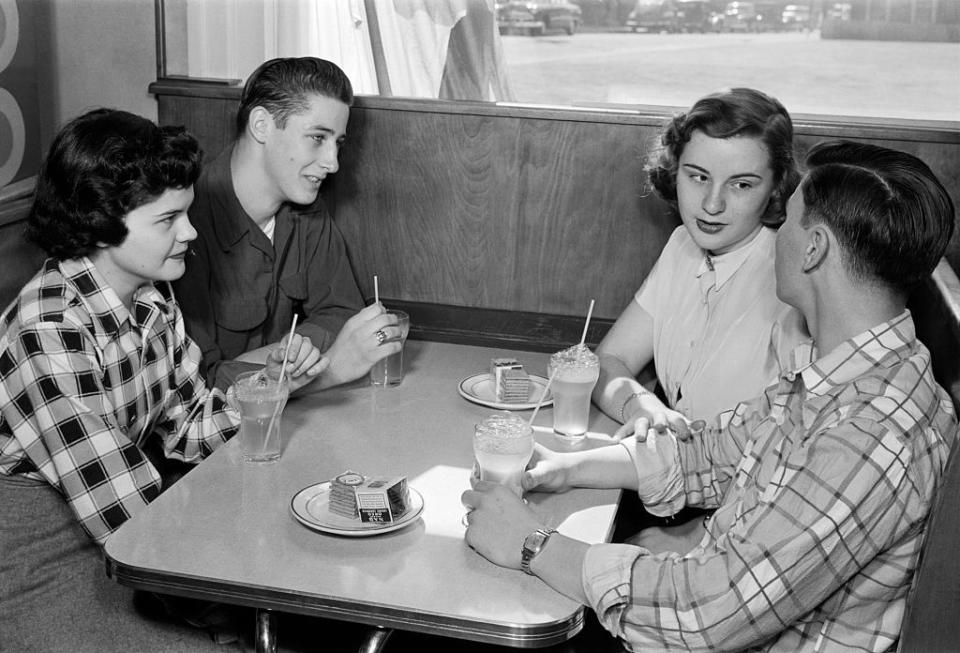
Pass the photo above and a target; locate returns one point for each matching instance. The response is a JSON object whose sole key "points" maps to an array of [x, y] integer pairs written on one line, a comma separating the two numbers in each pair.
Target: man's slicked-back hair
{"points": [[730, 113], [283, 87], [892, 216], [101, 166]]}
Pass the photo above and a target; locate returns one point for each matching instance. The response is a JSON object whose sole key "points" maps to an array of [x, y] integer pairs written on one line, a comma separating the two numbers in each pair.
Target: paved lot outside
{"points": [[809, 75]]}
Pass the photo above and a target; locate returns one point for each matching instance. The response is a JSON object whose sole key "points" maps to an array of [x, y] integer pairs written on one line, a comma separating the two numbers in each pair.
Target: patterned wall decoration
{"points": [[19, 120]]}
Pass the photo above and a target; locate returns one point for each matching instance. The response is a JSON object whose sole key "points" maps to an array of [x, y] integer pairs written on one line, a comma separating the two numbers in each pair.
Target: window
{"points": [[874, 59]]}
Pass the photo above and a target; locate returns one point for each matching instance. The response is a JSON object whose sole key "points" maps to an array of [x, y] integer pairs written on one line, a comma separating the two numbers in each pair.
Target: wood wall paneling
{"points": [[498, 213], [210, 120], [513, 208]]}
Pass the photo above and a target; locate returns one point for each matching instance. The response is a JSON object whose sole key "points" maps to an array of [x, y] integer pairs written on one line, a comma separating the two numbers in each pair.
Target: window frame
{"points": [[821, 125]]}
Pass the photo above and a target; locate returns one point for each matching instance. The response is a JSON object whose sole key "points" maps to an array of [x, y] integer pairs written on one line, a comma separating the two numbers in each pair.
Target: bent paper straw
{"points": [[543, 398], [583, 338], [376, 290]]}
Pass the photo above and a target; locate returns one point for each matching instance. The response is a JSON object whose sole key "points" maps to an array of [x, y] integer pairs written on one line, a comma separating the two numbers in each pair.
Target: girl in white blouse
{"points": [[708, 315]]}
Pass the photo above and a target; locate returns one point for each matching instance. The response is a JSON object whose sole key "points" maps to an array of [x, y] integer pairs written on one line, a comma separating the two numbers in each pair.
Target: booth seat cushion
{"points": [[932, 622]]}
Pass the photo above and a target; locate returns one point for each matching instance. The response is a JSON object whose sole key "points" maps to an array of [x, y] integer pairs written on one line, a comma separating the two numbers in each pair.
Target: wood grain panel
{"points": [[210, 120], [499, 213], [514, 208]]}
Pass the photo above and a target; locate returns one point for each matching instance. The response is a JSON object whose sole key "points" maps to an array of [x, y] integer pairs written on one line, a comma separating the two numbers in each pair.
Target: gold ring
{"points": [[381, 336]]}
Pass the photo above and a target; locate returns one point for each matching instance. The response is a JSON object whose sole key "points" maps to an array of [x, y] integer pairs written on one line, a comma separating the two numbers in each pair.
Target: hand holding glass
{"points": [[502, 447], [389, 370]]}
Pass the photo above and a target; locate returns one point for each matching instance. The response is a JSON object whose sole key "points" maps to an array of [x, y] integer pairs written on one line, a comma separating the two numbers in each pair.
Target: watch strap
{"points": [[532, 545]]}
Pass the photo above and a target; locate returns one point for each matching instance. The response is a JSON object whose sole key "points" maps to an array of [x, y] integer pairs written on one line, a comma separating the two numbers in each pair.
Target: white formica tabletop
{"points": [[225, 531]]}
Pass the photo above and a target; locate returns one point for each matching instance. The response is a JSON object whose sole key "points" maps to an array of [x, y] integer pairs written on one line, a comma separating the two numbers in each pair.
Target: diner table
{"points": [[226, 532]]}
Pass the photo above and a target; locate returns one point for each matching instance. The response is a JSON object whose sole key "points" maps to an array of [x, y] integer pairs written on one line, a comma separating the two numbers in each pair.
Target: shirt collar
{"points": [[232, 223], [854, 357], [726, 265], [101, 299]]}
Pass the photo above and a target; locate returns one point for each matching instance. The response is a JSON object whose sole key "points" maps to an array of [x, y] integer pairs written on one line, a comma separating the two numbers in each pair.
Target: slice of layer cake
{"points": [[511, 382], [499, 365], [514, 386], [375, 499]]}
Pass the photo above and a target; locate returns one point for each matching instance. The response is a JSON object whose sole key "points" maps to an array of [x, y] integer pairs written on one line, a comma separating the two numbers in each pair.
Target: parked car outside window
{"points": [[796, 17], [740, 17], [538, 17], [671, 16], [768, 16]]}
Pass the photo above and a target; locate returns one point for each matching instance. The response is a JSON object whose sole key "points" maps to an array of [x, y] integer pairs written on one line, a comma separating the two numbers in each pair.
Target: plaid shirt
{"points": [[824, 485], [84, 384]]}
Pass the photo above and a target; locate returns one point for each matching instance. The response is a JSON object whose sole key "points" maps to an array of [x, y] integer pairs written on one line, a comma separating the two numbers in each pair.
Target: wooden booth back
{"points": [[932, 622], [498, 225], [495, 223]]}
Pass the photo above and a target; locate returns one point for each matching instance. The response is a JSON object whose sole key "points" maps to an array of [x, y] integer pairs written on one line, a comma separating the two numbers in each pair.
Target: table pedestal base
{"points": [[266, 631], [376, 640]]}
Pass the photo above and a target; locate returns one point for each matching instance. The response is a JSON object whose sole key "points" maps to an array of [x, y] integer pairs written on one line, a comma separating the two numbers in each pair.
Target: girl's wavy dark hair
{"points": [[725, 114], [100, 167]]}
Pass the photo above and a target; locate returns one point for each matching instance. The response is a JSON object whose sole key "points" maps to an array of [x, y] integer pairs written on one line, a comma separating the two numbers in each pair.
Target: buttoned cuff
{"points": [[659, 474]]}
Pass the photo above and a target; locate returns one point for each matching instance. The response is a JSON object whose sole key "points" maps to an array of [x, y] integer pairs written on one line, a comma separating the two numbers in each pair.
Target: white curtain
{"points": [[442, 48], [429, 48], [335, 30]]}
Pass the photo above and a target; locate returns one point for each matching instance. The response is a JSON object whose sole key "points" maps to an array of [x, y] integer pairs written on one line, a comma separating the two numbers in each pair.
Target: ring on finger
{"points": [[381, 336]]}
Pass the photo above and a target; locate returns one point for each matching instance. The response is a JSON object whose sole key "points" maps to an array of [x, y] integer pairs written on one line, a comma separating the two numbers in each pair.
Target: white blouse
{"points": [[721, 335]]}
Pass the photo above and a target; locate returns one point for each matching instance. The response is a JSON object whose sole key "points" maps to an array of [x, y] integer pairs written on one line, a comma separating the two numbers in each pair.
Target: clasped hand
{"points": [[498, 520], [304, 361], [651, 413]]}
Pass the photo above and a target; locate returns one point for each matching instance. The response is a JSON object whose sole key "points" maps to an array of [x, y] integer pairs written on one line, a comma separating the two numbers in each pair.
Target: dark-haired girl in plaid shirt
{"points": [[95, 368]]}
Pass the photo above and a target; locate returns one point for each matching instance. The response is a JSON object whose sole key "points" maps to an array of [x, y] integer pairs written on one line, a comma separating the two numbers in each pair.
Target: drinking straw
{"points": [[286, 351], [583, 338], [543, 397], [283, 372], [376, 290]]}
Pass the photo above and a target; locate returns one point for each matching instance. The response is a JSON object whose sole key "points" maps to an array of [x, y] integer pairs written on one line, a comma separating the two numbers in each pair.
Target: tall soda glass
{"points": [[389, 371], [575, 371], [259, 400], [502, 447]]}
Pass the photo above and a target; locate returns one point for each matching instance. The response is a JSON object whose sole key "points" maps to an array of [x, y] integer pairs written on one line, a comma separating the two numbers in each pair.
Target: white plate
{"points": [[311, 507], [479, 389]]}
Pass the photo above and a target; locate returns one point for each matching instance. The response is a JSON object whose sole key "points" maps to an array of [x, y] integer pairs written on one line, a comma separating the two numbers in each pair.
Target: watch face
{"points": [[532, 545], [534, 541]]}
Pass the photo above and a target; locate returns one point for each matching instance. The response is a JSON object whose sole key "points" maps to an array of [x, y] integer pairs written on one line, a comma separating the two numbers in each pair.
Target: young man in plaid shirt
{"points": [[96, 370], [822, 485]]}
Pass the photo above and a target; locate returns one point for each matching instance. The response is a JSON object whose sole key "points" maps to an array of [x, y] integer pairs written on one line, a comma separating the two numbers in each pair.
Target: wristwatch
{"points": [[532, 545]]}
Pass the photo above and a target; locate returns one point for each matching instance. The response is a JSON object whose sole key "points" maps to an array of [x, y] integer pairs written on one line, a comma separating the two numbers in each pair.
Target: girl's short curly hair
{"points": [[725, 114], [100, 167]]}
